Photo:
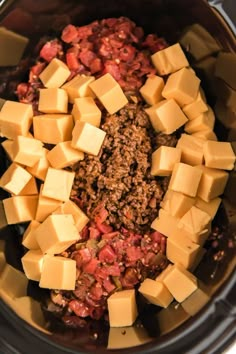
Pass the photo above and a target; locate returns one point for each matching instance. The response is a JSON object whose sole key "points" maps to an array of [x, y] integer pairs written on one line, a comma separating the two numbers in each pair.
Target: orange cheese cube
{"points": [[2, 101], [109, 92], [219, 154], [62, 188], [45, 206], [210, 207], [32, 263], [63, 155], [182, 86], [53, 128], [164, 159], [185, 179], [30, 188], [198, 106], [29, 239], [20, 208], [164, 273], [69, 207], [88, 138], [169, 60], [8, 148], [79, 87], [205, 121], [155, 292], [152, 89], [14, 179], [15, 119], [56, 233], [40, 168], [122, 308], [195, 221], [55, 74], [86, 110], [191, 149], [12, 282], [176, 204], [53, 100], [206, 134], [58, 273], [27, 151], [165, 223], [166, 116]]}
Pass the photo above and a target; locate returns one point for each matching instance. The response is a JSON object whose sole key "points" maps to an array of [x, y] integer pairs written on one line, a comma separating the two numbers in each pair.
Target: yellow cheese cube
{"points": [[196, 301], [14, 179], [56, 233], [109, 92], [182, 86], [199, 238], [171, 318], [29, 239], [58, 273], [164, 273], [40, 168], [165, 223], [191, 149], [225, 67], [169, 60], [152, 89], [198, 258], [2, 255], [166, 116], [88, 138], [219, 154], [127, 337], [45, 206], [212, 184], [210, 207], [180, 282], [13, 282], [195, 221], [176, 204], [53, 128], [69, 207], [14, 46], [164, 159], [122, 308], [86, 110], [181, 249], [79, 87], [8, 148], [15, 119], [62, 188], [27, 151], [32, 263], [63, 155], [194, 109], [30, 188], [206, 134], [185, 179], [53, 100], [205, 121], [20, 208], [55, 74], [155, 292]]}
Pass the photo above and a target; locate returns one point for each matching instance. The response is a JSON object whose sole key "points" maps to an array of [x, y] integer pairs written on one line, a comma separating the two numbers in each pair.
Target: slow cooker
{"points": [[213, 328]]}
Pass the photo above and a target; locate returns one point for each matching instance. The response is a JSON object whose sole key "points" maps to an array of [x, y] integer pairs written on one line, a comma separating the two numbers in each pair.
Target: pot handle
{"points": [[227, 9]]}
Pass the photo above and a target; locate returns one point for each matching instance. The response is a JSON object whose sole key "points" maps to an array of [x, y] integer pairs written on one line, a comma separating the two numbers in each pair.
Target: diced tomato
{"points": [[127, 53], [84, 31], [107, 254], [91, 266], [96, 291], [96, 65], [79, 308], [112, 68], [72, 61], [108, 285], [87, 56], [114, 269], [94, 233], [50, 50], [134, 253], [104, 228], [69, 34], [85, 255]]}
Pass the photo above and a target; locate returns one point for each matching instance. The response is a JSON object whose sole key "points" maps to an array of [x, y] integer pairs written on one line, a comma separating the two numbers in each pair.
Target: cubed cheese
{"points": [[62, 188], [14, 46], [8, 148], [185, 179], [2, 255], [69, 207], [55, 74], [88, 138], [152, 89], [29, 239], [191, 149], [53, 128], [164, 273], [63, 155], [109, 92], [79, 87], [155, 292], [176, 204], [86, 110], [166, 116], [122, 308], [180, 282], [32, 263], [210, 207], [212, 184], [204, 121], [53, 100], [15, 119], [225, 67], [45, 206], [14, 179], [182, 86], [56, 233], [198, 106], [58, 273], [219, 154], [206, 134], [165, 223], [40, 168], [20, 208], [169, 60], [195, 221], [30, 188], [27, 151], [13, 282], [2, 101], [164, 159], [198, 258]]}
